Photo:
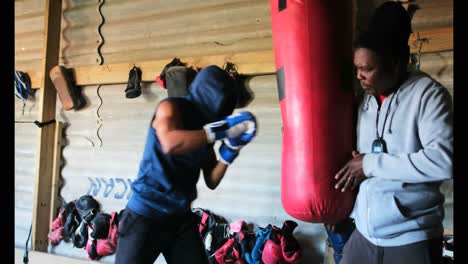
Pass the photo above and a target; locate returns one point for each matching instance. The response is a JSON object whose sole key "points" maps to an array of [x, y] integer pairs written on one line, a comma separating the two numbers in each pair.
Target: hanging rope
{"points": [[26, 252], [444, 65], [100, 60], [99, 119], [420, 41], [23, 107]]}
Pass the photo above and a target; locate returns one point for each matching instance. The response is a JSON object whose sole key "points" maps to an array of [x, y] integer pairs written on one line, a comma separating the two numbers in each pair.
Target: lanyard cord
{"points": [[385, 120]]}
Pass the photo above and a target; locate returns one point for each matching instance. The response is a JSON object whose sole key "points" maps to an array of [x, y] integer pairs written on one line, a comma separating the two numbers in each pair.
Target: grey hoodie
{"points": [[400, 201]]}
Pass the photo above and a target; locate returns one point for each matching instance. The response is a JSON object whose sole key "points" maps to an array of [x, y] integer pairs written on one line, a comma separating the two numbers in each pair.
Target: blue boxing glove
{"points": [[243, 139], [226, 154], [230, 147], [232, 126]]}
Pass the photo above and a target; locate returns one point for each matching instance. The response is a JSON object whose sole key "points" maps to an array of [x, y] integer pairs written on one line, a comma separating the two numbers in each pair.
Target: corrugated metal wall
{"points": [[25, 167], [151, 30]]}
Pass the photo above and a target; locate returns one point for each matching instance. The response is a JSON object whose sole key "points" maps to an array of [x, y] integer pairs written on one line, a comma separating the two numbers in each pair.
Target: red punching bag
{"points": [[313, 55]]}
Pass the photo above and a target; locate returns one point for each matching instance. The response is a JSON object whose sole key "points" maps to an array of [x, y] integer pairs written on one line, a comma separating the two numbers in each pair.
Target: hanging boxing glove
{"points": [[232, 126]]}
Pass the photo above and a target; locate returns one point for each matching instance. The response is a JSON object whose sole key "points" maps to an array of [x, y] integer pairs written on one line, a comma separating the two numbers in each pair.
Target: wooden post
{"points": [[56, 171], [45, 156], [328, 257]]}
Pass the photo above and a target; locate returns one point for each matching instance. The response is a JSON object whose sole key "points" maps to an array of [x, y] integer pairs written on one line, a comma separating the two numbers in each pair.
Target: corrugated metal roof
{"points": [[428, 14], [152, 30]]}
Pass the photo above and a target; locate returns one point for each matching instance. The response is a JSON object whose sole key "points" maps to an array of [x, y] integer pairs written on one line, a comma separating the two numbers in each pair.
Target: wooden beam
{"points": [[56, 171], [45, 153], [40, 257], [439, 39], [255, 62], [247, 62]]}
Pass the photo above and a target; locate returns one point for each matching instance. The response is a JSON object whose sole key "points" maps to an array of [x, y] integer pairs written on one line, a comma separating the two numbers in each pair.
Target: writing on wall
{"points": [[116, 188]]}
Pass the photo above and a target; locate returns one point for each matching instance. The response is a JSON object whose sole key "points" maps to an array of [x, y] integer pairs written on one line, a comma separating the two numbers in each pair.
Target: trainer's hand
{"points": [[352, 174], [231, 127]]}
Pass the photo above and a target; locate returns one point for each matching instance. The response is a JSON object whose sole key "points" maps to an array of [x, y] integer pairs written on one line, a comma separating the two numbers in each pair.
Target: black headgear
{"points": [[388, 31]]}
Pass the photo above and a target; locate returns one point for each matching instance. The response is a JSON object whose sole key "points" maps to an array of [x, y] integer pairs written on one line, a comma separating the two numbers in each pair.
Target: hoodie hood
{"points": [[213, 93]]}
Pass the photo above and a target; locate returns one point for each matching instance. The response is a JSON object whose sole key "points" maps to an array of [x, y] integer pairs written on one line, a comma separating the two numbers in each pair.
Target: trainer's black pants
{"points": [[358, 250], [142, 239]]}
